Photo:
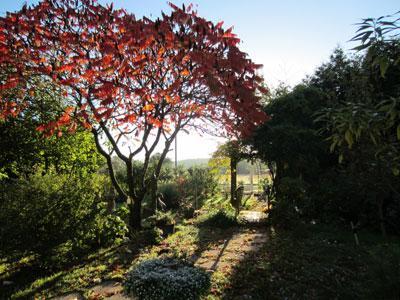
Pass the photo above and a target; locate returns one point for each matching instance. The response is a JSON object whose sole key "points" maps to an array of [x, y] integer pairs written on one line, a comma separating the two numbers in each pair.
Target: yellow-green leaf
{"points": [[333, 145], [398, 132], [373, 138], [349, 138]]}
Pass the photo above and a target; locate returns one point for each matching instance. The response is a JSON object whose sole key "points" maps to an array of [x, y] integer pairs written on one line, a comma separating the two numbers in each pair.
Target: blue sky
{"points": [[290, 38]]}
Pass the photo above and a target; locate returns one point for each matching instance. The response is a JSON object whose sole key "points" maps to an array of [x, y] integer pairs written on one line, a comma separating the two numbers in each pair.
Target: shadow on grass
{"points": [[24, 278], [213, 231], [308, 264]]}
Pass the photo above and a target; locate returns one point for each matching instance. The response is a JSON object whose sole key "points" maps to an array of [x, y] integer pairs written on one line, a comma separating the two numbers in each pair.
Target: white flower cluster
{"points": [[165, 279]]}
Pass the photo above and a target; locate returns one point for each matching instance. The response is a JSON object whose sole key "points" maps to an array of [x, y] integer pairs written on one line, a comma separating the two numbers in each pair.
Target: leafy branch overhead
{"points": [[372, 119], [134, 75], [373, 31]]}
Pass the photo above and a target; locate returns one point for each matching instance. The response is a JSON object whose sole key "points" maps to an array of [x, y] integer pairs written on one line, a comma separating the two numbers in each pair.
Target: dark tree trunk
{"points": [[135, 214], [110, 205], [278, 175], [233, 166]]}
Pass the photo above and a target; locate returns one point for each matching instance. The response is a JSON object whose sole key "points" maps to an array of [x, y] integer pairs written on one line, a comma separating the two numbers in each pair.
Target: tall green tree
{"points": [[23, 150]]}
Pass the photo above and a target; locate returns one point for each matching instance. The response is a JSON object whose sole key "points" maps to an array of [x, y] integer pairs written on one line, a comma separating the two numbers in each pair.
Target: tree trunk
{"points": [[277, 180], [135, 214], [233, 179], [110, 204]]}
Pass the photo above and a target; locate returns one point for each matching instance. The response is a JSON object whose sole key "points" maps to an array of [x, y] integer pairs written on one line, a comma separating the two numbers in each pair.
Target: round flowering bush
{"points": [[166, 279]]}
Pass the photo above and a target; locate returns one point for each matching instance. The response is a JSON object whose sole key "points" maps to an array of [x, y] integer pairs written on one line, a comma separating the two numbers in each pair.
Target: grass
{"points": [[311, 262], [319, 263], [104, 264]]}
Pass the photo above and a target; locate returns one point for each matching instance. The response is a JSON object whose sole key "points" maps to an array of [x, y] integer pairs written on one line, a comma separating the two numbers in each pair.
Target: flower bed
{"points": [[166, 279]]}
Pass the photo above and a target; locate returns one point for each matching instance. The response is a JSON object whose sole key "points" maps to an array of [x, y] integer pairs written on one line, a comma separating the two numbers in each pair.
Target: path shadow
{"points": [[211, 238], [248, 279], [217, 245], [21, 276], [215, 264]]}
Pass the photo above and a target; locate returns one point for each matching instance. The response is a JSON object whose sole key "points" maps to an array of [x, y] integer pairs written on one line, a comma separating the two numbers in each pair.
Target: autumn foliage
{"points": [[136, 75], [132, 82]]}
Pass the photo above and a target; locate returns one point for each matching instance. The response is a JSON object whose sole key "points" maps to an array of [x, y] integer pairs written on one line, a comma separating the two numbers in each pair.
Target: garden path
{"points": [[224, 257], [221, 257], [231, 251]]}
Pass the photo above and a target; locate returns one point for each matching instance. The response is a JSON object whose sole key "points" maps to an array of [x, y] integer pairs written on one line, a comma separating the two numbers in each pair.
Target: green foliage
{"points": [[45, 212], [372, 31], [218, 219], [161, 218], [109, 228], [170, 194], [372, 121], [290, 140], [167, 279], [292, 204], [332, 144], [189, 190], [147, 236], [23, 149], [200, 183], [217, 202]]}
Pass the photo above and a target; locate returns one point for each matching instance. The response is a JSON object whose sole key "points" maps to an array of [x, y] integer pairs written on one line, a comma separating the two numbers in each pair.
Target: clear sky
{"points": [[289, 37]]}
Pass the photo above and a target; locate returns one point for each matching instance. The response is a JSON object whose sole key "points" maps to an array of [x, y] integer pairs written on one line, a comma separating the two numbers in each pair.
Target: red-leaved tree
{"points": [[130, 81]]}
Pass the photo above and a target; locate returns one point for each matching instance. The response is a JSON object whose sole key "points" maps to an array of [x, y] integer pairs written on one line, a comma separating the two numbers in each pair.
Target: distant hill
{"points": [[187, 163]]}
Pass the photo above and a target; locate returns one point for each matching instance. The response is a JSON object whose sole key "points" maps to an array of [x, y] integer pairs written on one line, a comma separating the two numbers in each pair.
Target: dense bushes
{"points": [[167, 279], [316, 176], [44, 212], [184, 192]]}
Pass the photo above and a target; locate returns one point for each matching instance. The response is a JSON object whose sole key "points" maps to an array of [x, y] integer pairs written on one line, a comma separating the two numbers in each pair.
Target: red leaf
{"points": [[41, 128], [148, 107], [185, 72], [66, 67]]}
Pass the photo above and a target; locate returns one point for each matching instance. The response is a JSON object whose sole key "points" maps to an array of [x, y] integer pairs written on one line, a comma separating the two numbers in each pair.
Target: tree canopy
{"points": [[130, 81]]}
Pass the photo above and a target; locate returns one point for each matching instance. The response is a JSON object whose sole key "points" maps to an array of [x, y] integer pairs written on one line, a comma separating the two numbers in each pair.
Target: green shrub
{"points": [[219, 219], [110, 228], [189, 190], [289, 205], [170, 194], [47, 212], [160, 218], [148, 236], [167, 279], [217, 203], [199, 183]]}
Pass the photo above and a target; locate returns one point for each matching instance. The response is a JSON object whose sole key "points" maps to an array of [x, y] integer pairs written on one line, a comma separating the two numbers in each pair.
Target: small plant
{"points": [[149, 236], [163, 220], [160, 218], [219, 219], [166, 279]]}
